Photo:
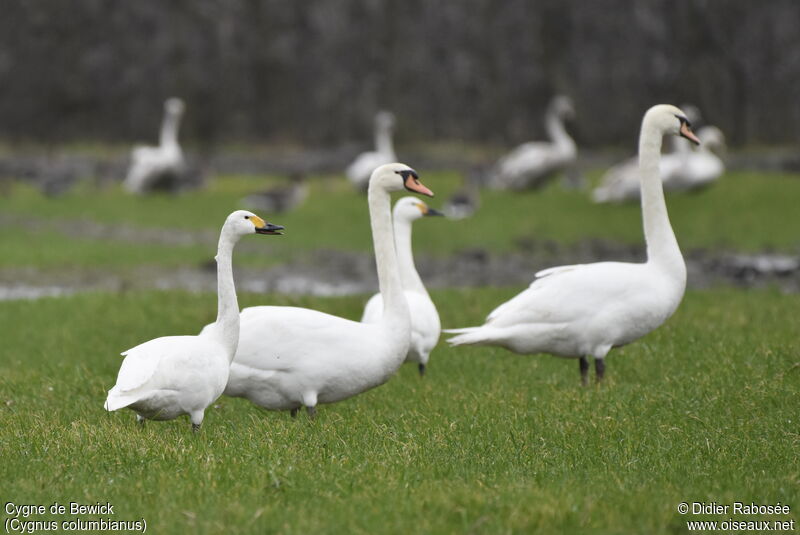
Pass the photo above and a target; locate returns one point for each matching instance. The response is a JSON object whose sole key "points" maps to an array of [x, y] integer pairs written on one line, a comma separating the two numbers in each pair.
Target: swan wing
{"points": [[569, 293], [142, 361]]}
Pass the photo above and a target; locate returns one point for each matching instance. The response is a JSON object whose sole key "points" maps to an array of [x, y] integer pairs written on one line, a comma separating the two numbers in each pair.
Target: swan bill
{"points": [[269, 228], [412, 183], [686, 132], [433, 212]]}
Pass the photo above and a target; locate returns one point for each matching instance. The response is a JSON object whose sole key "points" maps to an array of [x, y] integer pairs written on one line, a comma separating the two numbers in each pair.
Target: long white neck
{"points": [[405, 256], [227, 324], [395, 307], [383, 139], [662, 246], [169, 129], [557, 132]]}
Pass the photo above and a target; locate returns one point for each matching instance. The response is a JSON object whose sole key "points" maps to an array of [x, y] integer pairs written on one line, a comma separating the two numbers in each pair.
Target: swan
{"points": [[159, 167], [680, 170], [425, 325], [586, 310], [173, 375], [531, 164], [360, 170], [700, 167], [290, 357], [279, 199]]}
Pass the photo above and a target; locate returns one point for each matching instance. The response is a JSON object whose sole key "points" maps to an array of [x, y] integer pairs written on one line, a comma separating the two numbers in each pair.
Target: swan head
{"points": [[411, 209], [384, 120], [242, 223], [562, 106], [174, 106], [397, 177], [670, 120]]}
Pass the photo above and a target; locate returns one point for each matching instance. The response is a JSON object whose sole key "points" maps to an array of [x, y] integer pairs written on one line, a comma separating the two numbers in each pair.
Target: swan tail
{"points": [[115, 402], [468, 336]]}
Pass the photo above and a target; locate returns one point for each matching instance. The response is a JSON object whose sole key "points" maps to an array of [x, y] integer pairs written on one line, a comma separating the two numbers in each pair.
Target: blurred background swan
{"points": [[365, 163], [532, 164], [682, 170], [162, 167]]}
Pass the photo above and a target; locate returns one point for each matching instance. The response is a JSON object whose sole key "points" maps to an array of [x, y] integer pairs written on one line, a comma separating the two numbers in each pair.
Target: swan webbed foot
{"points": [[599, 369], [421, 368], [584, 367], [312, 412], [293, 412]]}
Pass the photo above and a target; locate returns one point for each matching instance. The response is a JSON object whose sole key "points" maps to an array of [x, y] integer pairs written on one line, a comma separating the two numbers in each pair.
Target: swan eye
{"points": [[684, 120], [247, 217]]}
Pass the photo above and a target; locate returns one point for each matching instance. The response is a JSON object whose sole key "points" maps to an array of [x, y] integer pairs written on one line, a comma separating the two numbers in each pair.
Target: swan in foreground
{"points": [[425, 325], [173, 375], [290, 357], [681, 170], [530, 165], [360, 170], [159, 167], [586, 310]]}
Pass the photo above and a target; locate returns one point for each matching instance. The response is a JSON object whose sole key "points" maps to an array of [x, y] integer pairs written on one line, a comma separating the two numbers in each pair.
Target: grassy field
{"points": [[725, 216], [703, 409]]}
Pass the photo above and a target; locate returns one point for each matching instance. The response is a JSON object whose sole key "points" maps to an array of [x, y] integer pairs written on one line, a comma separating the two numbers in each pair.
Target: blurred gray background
{"points": [[314, 72]]}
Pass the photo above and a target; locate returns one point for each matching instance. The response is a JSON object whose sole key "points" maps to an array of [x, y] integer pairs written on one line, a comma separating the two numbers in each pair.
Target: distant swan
{"points": [[290, 357], [586, 310], [530, 165], [681, 170], [161, 167], [174, 375], [279, 199], [425, 325], [361, 169]]}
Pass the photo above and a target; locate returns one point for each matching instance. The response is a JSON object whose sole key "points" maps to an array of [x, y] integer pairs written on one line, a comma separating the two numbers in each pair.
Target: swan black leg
{"points": [[599, 369], [584, 365], [293, 412], [312, 412], [421, 369], [195, 428]]}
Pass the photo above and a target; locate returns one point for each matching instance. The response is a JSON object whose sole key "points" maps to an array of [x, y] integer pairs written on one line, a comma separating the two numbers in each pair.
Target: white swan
{"points": [[581, 310], [159, 167], [361, 169], [425, 325], [290, 357], [682, 170], [531, 164], [173, 375]]}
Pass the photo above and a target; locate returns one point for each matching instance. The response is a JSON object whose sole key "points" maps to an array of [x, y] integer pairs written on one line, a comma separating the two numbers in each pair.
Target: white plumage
{"points": [[290, 357], [174, 375], [585, 310], [425, 324], [532, 164], [163, 166], [365, 163]]}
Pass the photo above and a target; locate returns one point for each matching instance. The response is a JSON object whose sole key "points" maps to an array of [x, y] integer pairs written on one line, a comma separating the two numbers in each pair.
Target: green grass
{"points": [[745, 211], [703, 409]]}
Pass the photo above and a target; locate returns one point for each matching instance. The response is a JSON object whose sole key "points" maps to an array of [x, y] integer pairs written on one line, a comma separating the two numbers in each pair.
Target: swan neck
{"points": [[409, 277], [558, 134], [383, 139], [662, 246], [227, 324], [169, 129], [395, 308]]}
